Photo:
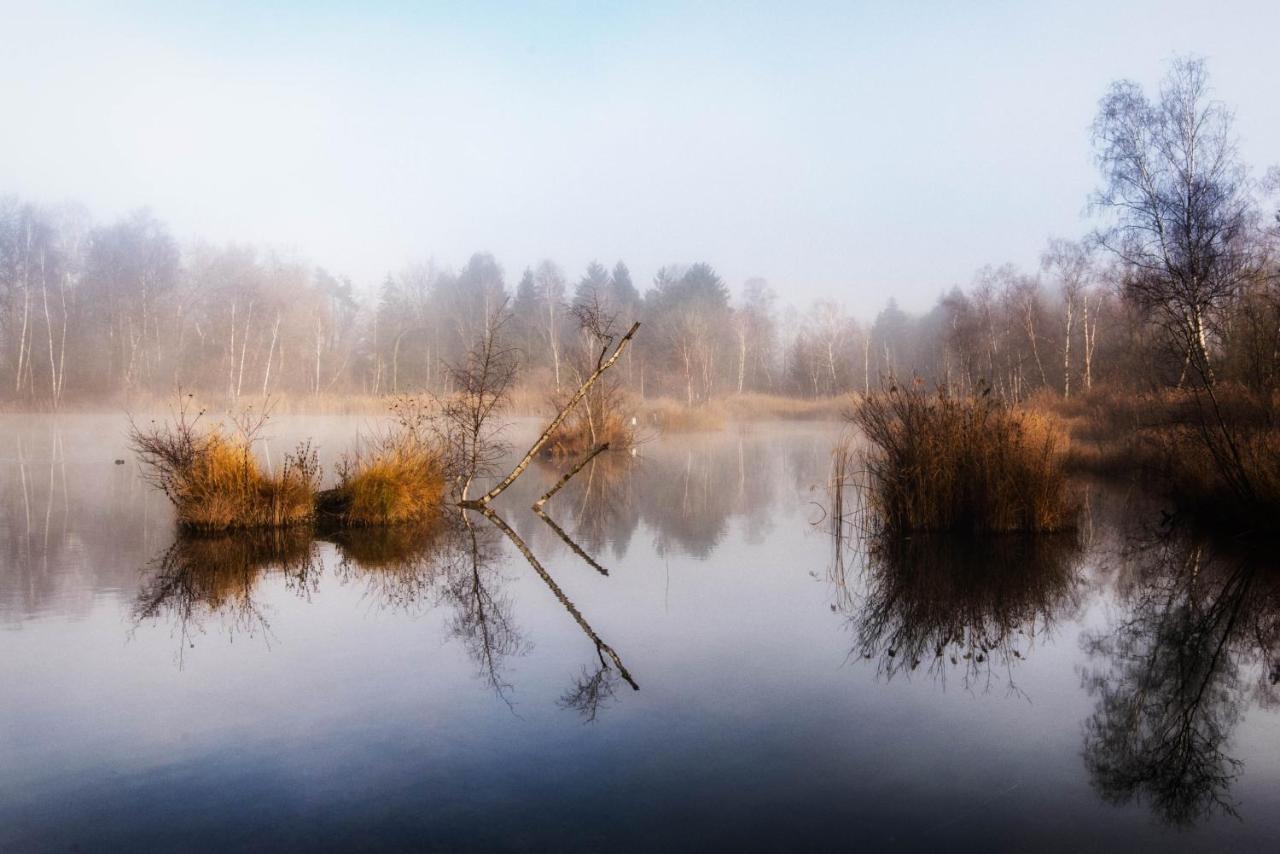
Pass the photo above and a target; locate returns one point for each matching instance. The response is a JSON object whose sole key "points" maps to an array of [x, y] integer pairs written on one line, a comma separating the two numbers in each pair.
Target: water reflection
{"points": [[203, 578], [1195, 643], [698, 551], [595, 688], [68, 529], [456, 563], [961, 605], [684, 493]]}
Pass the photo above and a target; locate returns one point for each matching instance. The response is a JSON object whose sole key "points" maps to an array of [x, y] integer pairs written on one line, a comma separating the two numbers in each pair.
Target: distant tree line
{"points": [[1178, 283]]}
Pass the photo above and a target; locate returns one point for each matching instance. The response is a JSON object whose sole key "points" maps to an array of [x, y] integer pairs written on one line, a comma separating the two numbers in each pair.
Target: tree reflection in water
{"points": [[595, 687], [456, 564], [949, 604], [1174, 673], [199, 578]]}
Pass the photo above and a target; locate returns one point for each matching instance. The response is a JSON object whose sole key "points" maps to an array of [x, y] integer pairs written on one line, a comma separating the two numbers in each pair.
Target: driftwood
{"points": [[601, 366]]}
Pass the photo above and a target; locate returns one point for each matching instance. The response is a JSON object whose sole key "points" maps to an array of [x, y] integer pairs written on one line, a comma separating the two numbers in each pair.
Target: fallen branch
{"points": [[537, 505], [482, 501]]}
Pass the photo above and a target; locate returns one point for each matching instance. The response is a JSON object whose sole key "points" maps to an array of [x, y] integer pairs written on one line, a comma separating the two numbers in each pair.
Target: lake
{"points": [[688, 662]]}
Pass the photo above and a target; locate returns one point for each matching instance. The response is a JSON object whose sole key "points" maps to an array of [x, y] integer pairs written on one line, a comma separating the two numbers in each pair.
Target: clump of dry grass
{"points": [[213, 478], [605, 414], [396, 477], [937, 462]]}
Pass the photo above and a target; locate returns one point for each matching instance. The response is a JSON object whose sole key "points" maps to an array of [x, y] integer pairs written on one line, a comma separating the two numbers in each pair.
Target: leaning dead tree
{"points": [[602, 364], [537, 505]]}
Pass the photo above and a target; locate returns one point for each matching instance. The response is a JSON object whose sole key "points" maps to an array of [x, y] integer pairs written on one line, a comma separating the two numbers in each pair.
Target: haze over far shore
{"points": [[849, 151]]}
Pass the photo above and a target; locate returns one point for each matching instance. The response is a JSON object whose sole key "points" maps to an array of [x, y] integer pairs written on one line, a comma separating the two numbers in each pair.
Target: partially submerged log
{"points": [[537, 505]]}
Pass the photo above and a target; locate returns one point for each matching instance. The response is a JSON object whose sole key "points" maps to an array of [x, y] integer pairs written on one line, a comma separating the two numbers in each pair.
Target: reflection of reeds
{"points": [[389, 547], [968, 603], [399, 564]]}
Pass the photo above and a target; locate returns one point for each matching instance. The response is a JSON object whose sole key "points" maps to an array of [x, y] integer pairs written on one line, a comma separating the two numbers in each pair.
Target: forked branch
{"points": [[481, 502], [537, 505]]}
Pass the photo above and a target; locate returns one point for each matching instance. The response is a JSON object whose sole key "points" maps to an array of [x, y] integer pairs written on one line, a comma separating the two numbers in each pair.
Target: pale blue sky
{"points": [[845, 150]]}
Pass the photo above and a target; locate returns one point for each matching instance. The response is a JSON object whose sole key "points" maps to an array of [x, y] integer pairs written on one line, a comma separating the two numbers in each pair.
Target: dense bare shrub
{"points": [[1213, 453], [1221, 464], [213, 478], [937, 462]]}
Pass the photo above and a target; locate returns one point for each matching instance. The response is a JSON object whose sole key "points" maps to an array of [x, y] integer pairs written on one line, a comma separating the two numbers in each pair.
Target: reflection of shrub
{"points": [[214, 480], [937, 598], [966, 464], [389, 547], [400, 565], [212, 574]]}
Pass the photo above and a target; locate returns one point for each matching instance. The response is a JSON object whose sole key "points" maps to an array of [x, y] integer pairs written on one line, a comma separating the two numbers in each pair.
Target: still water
{"points": [[687, 663]]}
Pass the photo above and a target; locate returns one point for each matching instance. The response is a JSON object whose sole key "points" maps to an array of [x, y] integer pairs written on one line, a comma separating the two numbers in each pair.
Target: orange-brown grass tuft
{"points": [[395, 478], [963, 464]]}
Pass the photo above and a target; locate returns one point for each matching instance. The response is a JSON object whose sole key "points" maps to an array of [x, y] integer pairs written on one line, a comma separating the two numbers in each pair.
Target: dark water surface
{"points": [[1112, 693]]}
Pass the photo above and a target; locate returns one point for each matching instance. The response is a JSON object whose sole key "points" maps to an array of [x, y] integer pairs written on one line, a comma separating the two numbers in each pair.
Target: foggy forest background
{"points": [[101, 312]]}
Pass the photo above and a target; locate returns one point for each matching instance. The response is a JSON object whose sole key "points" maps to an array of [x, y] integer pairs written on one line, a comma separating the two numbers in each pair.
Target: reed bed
{"points": [[1213, 454], [605, 415], [671, 416], [938, 462], [757, 406]]}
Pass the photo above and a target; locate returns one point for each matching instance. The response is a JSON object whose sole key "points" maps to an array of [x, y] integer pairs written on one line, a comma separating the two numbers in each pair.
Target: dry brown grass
{"points": [[1215, 457], [605, 414], [395, 478], [213, 478], [670, 416], [756, 406], [966, 464]]}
